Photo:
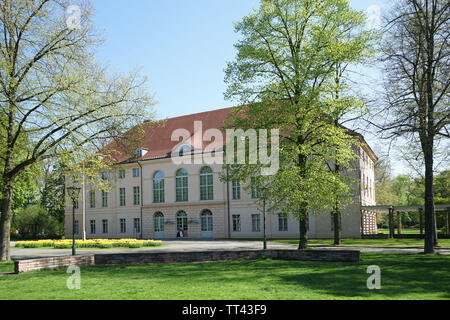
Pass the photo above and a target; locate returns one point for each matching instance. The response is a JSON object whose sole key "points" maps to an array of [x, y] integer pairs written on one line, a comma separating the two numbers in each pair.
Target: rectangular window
{"points": [[75, 227], [158, 190], [255, 191], [92, 198], [92, 223], [137, 196], [181, 188], [104, 176], [76, 204], [236, 190], [122, 197], [122, 174], [256, 223], [123, 225], [137, 225], [105, 226], [135, 172], [237, 223], [206, 185], [104, 199], [282, 223]]}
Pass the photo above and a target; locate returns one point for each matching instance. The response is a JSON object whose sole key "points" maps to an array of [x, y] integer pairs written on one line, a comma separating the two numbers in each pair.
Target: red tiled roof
{"points": [[157, 136]]}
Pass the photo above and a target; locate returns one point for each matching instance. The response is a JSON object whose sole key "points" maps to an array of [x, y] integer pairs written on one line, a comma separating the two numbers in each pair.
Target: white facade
{"points": [[132, 211]]}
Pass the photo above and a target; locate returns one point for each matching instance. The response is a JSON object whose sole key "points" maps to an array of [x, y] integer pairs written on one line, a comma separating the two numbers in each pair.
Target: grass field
{"points": [[7, 266], [403, 276], [404, 231], [396, 243]]}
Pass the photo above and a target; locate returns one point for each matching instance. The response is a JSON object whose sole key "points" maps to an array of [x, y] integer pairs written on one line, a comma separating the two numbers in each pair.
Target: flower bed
{"points": [[97, 243]]}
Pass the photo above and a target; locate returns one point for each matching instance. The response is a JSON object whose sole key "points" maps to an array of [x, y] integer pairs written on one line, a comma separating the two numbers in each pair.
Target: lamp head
{"points": [[73, 192]]}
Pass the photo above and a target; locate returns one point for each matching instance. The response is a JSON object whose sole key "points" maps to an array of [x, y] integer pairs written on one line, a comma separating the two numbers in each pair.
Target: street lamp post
{"points": [[73, 193], [264, 222]]}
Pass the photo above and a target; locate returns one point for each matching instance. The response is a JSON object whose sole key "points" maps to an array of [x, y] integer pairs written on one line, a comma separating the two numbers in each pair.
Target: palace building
{"points": [[156, 198]]}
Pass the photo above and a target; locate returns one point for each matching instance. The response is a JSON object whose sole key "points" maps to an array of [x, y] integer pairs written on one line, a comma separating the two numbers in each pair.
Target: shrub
{"points": [[152, 243], [92, 243], [35, 222]]}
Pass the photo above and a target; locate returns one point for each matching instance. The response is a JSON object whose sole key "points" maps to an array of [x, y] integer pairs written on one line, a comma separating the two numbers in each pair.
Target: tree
{"points": [[284, 71], [35, 222], [52, 191], [416, 52], [54, 93]]}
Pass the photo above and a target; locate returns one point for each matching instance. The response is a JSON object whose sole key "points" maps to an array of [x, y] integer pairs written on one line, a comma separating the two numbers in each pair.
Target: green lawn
{"points": [[397, 243], [404, 231], [403, 276], [7, 266]]}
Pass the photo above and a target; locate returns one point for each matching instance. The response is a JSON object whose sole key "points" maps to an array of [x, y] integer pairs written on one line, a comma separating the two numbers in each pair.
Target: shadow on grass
{"points": [[413, 276], [402, 277]]}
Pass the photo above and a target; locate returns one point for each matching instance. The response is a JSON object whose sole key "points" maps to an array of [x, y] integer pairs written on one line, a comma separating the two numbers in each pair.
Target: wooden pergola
{"points": [[400, 209]]}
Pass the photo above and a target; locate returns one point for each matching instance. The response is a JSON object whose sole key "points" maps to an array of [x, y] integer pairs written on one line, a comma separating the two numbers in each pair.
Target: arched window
{"points": [[207, 221], [181, 185], [182, 221], [159, 222], [158, 187], [206, 184]]}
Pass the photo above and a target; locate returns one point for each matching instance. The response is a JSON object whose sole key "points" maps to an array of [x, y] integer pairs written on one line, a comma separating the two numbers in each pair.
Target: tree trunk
{"points": [[447, 221], [303, 242], [436, 231], [391, 223], [429, 203], [5, 221], [421, 220], [337, 213], [337, 226], [399, 223]]}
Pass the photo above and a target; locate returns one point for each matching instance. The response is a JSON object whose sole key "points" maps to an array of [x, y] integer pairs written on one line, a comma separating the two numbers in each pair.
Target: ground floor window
{"points": [[256, 223], [282, 223], [105, 226], [207, 221], [92, 223], [137, 225], [182, 221], [159, 222], [123, 225], [236, 223]]}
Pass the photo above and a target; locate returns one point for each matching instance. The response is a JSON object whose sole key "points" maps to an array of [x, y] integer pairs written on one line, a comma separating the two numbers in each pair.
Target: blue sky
{"points": [[182, 47]]}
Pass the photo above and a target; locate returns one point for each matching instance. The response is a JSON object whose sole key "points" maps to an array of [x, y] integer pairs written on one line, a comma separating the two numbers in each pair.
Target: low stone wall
{"points": [[179, 257], [53, 263], [186, 257], [318, 255], [375, 236]]}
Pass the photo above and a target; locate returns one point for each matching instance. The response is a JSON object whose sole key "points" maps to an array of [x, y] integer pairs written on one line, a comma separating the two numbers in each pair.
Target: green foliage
{"points": [[57, 101], [407, 191], [285, 71], [35, 222]]}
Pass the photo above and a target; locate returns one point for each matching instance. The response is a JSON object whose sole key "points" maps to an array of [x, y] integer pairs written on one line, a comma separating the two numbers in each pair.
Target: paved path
{"points": [[170, 246], [192, 246]]}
